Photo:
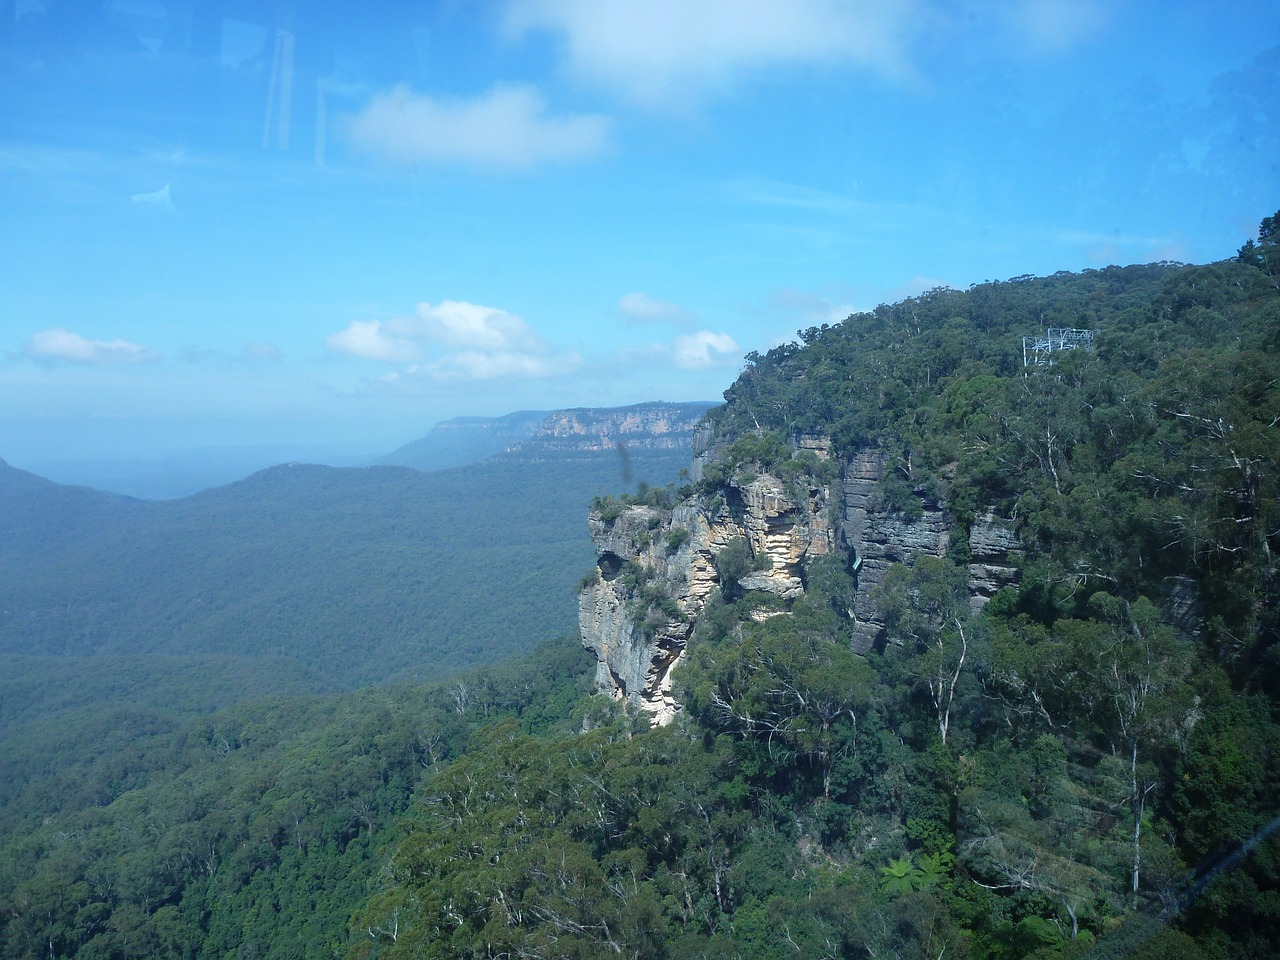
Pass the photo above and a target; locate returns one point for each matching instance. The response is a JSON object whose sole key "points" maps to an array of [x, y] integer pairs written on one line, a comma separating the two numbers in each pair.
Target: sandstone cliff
{"points": [[878, 537], [657, 566], [652, 426], [643, 426]]}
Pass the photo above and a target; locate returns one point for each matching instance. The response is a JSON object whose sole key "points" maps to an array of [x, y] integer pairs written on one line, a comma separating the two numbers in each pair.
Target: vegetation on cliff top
{"points": [[1044, 776]]}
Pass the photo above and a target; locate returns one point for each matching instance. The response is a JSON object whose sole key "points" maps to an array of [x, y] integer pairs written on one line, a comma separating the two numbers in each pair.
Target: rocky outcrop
{"points": [[877, 538], [644, 426], [634, 656], [656, 568], [784, 528], [994, 552]]}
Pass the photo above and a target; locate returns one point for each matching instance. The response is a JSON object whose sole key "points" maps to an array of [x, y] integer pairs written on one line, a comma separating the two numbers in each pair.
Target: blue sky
{"points": [[243, 223]]}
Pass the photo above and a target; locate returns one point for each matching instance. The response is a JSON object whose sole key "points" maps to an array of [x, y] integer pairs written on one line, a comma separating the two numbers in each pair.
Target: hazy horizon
{"points": [[162, 472], [340, 226]]}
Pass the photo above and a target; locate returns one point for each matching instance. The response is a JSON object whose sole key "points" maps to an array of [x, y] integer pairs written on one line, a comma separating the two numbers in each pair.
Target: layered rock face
{"points": [[994, 550], [648, 426], [656, 568], [879, 538]]}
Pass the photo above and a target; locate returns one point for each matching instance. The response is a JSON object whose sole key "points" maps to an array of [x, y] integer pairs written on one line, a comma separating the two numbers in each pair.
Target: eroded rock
{"points": [[994, 551], [657, 568], [878, 538]]}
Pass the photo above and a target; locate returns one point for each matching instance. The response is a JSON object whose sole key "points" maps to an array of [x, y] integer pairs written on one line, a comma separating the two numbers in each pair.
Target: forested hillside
{"points": [[908, 752], [463, 440], [1084, 765], [347, 576], [132, 831]]}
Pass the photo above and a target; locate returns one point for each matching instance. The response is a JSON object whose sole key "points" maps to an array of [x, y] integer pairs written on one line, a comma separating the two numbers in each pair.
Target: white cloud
{"points": [[691, 351], [476, 365], [663, 53], [641, 308], [369, 339], [473, 342], [703, 349], [456, 323], [506, 129], [62, 344]]}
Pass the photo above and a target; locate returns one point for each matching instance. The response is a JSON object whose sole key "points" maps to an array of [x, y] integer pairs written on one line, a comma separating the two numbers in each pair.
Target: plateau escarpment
{"points": [[747, 528], [533, 434], [643, 426]]}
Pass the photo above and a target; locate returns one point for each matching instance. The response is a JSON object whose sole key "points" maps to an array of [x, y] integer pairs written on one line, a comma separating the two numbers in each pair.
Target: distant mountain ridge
{"points": [[183, 473], [641, 426], [352, 575], [655, 425], [451, 443], [463, 440]]}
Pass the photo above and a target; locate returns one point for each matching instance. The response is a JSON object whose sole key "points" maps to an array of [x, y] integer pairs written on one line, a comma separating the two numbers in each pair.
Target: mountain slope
{"points": [[947, 655], [463, 440], [356, 575], [955, 656]]}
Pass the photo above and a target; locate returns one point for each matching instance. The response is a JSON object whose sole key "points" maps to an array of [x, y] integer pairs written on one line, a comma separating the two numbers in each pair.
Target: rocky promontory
{"points": [[657, 563]]}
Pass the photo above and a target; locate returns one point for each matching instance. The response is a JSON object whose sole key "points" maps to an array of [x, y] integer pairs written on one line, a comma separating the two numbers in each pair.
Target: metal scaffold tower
{"points": [[1039, 351]]}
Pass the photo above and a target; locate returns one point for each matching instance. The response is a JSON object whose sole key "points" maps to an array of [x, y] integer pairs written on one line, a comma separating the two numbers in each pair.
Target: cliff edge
{"points": [[753, 526]]}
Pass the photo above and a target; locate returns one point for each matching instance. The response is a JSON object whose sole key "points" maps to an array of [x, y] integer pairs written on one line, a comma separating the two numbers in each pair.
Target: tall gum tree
{"points": [[925, 608]]}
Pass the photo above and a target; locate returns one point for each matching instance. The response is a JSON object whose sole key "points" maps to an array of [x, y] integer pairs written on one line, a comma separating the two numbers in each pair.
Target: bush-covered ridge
{"points": [[1146, 458], [1055, 772]]}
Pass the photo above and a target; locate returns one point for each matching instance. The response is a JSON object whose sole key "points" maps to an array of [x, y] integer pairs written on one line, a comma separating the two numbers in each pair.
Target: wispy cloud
{"points": [[1052, 26], [700, 350], [914, 287], [61, 344], [773, 193], [262, 351], [161, 200], [373, 340], [249, 353], [508, 128], [1103, 248], [672, 53], [704, 349], [809, 307], [642, 308], [501, 364], [454, 340], [1098, 238]]}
